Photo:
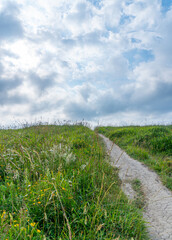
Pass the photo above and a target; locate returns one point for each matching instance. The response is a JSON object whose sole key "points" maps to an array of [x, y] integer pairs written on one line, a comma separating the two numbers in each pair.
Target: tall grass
{"points": [[56, 184], [149, 144]]}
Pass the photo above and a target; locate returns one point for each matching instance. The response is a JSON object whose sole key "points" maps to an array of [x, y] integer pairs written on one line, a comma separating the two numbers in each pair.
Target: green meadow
{"points": [[56, 183], [151, 145]]}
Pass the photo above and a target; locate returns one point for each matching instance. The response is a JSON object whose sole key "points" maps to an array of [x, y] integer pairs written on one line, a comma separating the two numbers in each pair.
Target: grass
{"points": [[140, 199], [56, 184], [152, 145]]}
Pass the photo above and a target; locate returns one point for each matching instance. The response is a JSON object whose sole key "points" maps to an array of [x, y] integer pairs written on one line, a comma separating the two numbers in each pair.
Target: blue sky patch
{"points": [[126, 19], [134, 40], [137, 56], [166, 5], [96, 3]]}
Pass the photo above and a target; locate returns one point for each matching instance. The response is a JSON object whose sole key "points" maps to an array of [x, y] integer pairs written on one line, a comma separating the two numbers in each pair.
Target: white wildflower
{"points": [[84, 166]]}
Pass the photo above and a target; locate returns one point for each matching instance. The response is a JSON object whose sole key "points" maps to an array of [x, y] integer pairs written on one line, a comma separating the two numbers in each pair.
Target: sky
{"points": [[104, 61]]}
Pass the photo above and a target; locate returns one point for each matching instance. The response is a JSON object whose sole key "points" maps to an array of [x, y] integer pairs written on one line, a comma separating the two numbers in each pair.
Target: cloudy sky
{"points": [[98, 60]]}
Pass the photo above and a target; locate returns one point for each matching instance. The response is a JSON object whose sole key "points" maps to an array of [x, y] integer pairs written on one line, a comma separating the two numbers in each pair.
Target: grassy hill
{"points": [[149, 144], [56, 183]]}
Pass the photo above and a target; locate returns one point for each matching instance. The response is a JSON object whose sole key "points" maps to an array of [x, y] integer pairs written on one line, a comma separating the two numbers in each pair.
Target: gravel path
{"points": [[158, 209]]}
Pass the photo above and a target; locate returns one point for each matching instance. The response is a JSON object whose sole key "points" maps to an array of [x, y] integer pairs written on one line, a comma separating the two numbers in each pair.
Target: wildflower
{"points": [[38, 230], [33, 224], [4, 214], [39, 202], [70, 158], [64, 189], [16, 225], [83, 166]]}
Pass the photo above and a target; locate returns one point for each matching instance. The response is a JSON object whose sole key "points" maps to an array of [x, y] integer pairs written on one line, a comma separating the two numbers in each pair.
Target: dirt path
{"points": [[158, 209]]}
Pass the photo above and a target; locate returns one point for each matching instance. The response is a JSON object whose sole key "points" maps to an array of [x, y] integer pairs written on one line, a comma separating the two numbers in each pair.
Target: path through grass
{"points": [[149, 144]]}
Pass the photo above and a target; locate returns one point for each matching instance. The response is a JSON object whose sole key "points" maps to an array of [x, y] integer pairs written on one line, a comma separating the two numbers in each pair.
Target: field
{"points": [[56, 183], [152, 145]]}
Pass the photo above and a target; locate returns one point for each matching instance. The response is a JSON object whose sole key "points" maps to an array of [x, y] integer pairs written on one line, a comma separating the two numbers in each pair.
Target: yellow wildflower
{"points": [[38, 230], [33, 224], [3, 214]]}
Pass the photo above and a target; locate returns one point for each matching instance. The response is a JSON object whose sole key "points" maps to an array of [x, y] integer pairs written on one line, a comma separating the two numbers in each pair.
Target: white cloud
{"points": [[69, 58]]}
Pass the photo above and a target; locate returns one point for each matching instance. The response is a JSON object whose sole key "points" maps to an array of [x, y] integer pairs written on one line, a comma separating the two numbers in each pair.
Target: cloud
{"points": [[88, 102], [42, 83], [111, 12], [1, 68], [86, 59], [10, 26], [7, 85]]}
